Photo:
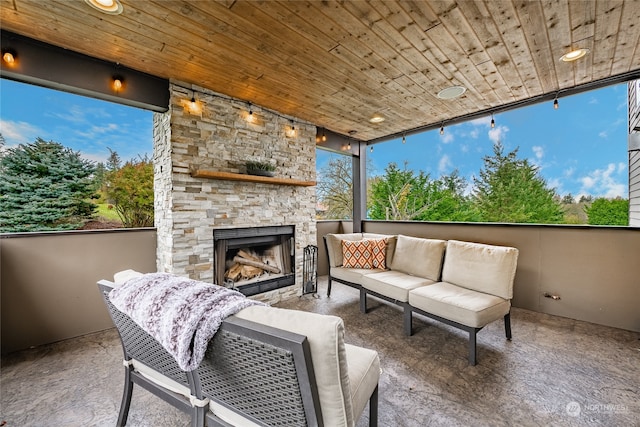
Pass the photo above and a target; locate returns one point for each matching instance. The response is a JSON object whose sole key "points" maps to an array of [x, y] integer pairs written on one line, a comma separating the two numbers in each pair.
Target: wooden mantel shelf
{"points": [[201, 173]]}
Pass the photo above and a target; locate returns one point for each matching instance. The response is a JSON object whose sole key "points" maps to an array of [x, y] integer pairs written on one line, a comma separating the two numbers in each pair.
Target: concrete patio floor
{"points": [[555, 372]]}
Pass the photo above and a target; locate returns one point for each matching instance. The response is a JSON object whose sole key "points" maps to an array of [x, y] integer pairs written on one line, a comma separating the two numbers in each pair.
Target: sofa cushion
{"points": [[485, 268], [393, 284], [357, 254], [419, 257], [364, 374], [378, 253], [353, 275], [459, 304], [326, 339], [334, 246], [391, 243]]}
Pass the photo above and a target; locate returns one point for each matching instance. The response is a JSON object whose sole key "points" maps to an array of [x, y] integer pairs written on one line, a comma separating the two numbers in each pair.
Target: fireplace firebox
{"points": [[254, 260]]}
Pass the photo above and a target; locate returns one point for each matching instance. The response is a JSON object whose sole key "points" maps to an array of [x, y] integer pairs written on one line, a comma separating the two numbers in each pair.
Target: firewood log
{"points": [[247, 255], [266, 267]]}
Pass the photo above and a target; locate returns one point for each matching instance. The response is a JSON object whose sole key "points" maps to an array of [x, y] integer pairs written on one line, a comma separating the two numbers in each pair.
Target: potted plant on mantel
{"points": [[260, 168]]}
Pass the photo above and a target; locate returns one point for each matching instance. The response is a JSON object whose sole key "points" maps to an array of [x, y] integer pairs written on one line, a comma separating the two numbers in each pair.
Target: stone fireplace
{"points": [[254, 260], [194, 206]]}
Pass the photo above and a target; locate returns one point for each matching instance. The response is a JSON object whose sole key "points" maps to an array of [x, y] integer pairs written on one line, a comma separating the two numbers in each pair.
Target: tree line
{"points": [[45, 186], [507, 189]]}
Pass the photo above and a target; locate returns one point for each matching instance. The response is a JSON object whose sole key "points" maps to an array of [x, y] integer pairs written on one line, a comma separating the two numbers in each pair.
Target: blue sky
{"points": [[83, 124], [580, 148]]}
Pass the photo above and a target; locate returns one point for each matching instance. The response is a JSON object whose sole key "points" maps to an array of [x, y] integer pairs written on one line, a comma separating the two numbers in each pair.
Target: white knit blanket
{"points": [[180, 313]]}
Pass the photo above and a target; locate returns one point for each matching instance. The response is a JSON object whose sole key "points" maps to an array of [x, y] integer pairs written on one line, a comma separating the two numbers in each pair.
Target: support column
{"points": [[359, 186]]}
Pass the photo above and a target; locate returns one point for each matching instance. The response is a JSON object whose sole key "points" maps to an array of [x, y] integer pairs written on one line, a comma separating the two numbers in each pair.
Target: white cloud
{"points": [[569, 172], [447, 137], [607, 182], [538, 151], [498, 133], [464, 148], [603, 134], [444, 164], [474, 133], [16, 133], [593, 101], [556, 183]]}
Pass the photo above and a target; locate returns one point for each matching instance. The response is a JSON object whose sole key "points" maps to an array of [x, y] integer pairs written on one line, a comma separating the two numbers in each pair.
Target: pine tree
{"points": [[511, 190], [44, 186]]}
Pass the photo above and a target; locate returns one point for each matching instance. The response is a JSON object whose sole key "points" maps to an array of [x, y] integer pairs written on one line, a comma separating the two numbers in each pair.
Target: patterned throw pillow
{"points": [[356, 254], [379, 253]]}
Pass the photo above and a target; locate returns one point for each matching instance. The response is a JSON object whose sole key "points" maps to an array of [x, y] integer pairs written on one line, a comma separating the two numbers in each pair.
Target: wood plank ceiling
{"points": [[337, 63]]}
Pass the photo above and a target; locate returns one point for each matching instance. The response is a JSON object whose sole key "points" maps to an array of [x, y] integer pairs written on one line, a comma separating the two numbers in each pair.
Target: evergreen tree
{"points": [[404, 195], [511, 190], [608, 211], [44, 186], [130, 189]]}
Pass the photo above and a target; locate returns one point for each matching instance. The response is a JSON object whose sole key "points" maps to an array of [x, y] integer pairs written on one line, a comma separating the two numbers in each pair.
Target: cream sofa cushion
{"points": [[353, 275], [418, 257], [364, 373], [391, 243], [334, 246], [393, 284], [326, 339], [485, 268], [459, 304]]}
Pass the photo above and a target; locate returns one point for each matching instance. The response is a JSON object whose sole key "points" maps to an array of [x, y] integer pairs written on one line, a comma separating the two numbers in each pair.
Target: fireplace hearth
{"points": [[254, 260]]}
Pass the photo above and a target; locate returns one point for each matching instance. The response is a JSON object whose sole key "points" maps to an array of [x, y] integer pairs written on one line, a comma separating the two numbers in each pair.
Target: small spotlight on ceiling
{"points": [[112, 7], [574, 55], [377, 118], [451, 92]]}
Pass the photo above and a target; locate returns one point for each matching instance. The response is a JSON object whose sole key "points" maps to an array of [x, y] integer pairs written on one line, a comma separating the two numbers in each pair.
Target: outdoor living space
{"points": [[241, 90], [556, 371]]}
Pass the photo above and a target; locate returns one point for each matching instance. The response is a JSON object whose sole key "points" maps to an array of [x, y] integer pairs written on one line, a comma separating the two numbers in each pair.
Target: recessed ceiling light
{"points": [[451, 92], [377, 118], [112, 7], [574, 54]]}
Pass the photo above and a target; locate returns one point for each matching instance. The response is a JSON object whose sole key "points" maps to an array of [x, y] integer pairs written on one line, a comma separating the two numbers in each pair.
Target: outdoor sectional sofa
{"points": [[463, 284]]}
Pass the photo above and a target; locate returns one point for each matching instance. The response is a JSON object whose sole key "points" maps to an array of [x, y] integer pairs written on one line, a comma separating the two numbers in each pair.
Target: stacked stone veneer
{"points": [[219, 137]]}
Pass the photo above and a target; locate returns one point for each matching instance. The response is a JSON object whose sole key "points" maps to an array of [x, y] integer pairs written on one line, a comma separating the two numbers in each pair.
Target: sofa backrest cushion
{"points": [[419, 257], [484, 268], [334, 246], [326, 340], [391, 244]]}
